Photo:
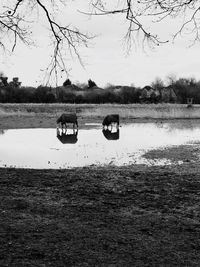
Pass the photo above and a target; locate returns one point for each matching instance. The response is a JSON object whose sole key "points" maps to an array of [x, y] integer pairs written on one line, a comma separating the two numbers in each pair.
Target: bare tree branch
{"points": [[141, 13], [16, 24]]}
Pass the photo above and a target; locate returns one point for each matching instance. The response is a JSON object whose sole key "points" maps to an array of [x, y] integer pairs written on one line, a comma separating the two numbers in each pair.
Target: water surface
{"points": [[40, 148]]}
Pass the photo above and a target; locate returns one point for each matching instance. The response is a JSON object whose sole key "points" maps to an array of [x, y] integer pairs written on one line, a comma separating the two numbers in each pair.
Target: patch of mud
{"points": [[176, 154]]}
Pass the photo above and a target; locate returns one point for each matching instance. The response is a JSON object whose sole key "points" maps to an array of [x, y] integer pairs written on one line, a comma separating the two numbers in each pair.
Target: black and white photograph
{"points": [[99, 133]]}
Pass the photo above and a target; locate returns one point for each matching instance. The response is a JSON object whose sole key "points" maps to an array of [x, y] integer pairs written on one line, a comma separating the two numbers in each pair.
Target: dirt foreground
{"points": [[112, 216], [100, 216]]}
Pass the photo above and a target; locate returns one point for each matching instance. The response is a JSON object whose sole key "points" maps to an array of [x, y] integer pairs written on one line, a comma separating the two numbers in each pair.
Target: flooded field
{"points": [[49, 149]]}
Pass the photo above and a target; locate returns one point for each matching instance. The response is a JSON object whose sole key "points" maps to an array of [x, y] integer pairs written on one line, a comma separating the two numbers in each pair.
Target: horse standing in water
{"points": [[67, 118]]}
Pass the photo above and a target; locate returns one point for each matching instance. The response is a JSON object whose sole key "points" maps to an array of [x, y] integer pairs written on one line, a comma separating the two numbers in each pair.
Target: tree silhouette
{"points": [[67, 82], [4, 80], [140, 14], [91, 83], [18, 18], [17, 21]]}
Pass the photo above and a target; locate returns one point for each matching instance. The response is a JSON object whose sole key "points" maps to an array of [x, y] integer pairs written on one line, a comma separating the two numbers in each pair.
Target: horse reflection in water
{"points": [[110, 120], [67, 138], [110, 135], [108, 123]]}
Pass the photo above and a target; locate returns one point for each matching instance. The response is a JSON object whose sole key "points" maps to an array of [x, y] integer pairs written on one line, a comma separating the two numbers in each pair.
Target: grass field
{"points": [[45, 115], [98, 216], [155, 111]]}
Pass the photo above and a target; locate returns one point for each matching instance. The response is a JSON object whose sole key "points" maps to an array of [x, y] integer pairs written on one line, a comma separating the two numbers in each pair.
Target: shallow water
{"points": [[41, 148]]}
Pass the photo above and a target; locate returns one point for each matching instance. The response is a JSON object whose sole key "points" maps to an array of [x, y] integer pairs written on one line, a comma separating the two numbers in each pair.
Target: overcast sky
{"points": [[106, 60]]}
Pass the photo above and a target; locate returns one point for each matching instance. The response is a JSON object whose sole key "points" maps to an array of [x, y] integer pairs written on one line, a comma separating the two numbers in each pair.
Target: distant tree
{"points": [[127, 94], [67, 82], [1, 74], [110, 97], [91, 83], [79, 99], [158, 83], [81, 85], [109, 86], [187, 88], [43, 94], [4, 80], [15, 82], [171, 79]]}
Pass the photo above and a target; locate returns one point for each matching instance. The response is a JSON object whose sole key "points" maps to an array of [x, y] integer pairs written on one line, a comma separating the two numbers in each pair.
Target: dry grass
{"points": [[156, 111]]}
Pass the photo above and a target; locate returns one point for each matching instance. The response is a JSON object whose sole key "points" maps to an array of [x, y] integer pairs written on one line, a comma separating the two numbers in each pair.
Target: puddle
{"points": [[42, 149]]}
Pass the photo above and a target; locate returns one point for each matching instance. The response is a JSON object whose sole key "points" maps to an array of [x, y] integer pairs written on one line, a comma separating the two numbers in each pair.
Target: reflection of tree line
{"points": [[110, 128], [179, 124]]}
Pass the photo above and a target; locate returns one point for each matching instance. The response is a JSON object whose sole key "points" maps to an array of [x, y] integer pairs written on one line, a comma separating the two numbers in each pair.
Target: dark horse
{"points": [[110, 120], [67, 118], [67, 138], [111, 135]]}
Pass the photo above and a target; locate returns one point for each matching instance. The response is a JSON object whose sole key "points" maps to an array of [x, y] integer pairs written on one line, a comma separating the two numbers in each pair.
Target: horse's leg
{"points": [[58, 132]]}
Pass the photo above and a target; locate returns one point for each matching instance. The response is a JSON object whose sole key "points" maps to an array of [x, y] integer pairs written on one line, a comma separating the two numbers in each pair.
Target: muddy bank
{"points": [[176, 154], [113, 216]]}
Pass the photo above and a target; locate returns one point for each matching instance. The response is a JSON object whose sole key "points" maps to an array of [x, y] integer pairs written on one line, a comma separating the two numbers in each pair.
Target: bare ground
{"points": [[106, 216], [113, 216]]}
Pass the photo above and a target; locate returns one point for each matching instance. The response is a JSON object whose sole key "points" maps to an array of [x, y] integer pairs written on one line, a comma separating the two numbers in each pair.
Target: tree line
{"points": [[13, 92]]}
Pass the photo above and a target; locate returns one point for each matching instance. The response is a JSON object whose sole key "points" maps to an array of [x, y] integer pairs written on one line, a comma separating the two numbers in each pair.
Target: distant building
{"points": [[149, 95], [168, 95], [164, 95]]}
